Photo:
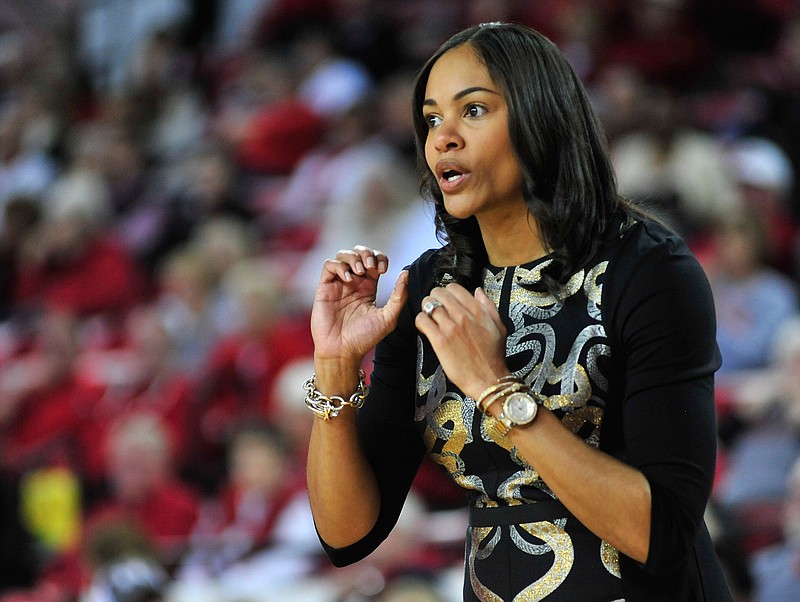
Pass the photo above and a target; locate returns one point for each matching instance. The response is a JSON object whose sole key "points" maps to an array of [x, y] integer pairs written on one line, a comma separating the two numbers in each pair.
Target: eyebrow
{"points": [[460, 95]]}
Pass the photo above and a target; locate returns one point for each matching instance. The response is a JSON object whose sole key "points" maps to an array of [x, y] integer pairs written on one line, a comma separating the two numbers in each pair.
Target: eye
{"points": [[433, 120], [475, 110]]}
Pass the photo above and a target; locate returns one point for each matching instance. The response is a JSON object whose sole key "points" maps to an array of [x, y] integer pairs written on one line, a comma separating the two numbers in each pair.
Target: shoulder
{"points": [[645, 238], [656, 290], [425, 261], [648, 255]]}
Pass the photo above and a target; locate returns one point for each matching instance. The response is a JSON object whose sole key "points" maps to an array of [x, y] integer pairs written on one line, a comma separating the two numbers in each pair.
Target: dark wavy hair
{"points": [[568, 181]]}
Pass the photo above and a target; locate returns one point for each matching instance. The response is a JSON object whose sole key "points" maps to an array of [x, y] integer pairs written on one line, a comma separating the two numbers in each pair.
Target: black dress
{"points": [[625, 357]]}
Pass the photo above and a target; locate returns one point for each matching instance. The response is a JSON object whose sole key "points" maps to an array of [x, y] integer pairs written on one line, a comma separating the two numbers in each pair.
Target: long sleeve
{"points": [[389, 436], [663, 321]]}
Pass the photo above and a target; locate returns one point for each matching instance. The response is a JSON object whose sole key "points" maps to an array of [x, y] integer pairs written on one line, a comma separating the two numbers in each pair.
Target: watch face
{"points": [[520, 408]]}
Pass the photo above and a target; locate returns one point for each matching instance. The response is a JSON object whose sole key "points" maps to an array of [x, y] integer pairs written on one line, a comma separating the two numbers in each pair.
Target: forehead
{"points": [[456, 70]]}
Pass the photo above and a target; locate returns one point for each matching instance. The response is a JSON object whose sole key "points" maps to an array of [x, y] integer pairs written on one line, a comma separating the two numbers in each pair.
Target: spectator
{"points": [[752, 300], [288, 402], [775, 570], [355, 186], [273, 134], [140, 378], [137, 203], [765, 177], [186, 304], [222, 243], [21, 171], [110, 32], [238, 378], [146, 490], [122, 565], [148, 508], [43, 399], [660, 39], [760, 436], [673, 168], [22, 214], [208, 189], [332, 84], [259, 532], [59, 267]]}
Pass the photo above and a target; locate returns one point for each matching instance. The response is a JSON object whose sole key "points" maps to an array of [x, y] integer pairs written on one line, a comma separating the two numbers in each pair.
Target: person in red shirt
{"points": [[145, 494], [139, 378], [71, 264], [258, 527], [238, 379], [42, 399], [145, 488]]}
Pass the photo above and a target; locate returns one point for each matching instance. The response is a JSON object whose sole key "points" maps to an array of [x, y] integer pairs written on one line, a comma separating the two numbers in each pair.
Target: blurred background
{"points": [[173, 173]]}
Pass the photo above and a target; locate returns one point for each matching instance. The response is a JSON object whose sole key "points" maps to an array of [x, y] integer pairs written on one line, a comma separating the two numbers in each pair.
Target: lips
{"points": [[450, 174]]}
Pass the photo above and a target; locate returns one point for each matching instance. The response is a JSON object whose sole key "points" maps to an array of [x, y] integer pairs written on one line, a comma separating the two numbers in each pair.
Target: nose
{"points": [[447, 137]]}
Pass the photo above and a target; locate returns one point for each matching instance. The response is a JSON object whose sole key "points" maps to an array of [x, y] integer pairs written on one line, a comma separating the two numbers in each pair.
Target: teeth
{"points": [[453, 177]]}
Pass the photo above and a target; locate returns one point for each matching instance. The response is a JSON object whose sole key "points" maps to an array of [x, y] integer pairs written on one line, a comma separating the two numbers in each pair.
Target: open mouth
{"points": [[452, 175]]}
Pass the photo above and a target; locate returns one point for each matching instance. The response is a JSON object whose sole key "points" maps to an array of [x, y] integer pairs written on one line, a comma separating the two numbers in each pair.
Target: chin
{"points": [[458, 210]]}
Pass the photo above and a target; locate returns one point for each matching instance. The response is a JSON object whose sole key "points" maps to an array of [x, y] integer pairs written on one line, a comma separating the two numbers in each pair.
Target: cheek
{"points": [[430, 154]]}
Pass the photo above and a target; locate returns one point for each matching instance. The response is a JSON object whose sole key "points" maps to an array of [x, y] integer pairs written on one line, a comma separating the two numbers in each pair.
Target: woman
{"points": [[561, 368]]}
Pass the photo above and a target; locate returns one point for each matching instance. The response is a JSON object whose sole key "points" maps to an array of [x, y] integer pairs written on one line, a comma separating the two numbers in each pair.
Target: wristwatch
{"points": [[519, 408]]}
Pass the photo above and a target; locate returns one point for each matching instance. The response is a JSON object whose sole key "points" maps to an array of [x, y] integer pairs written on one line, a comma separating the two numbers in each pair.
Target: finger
{"points": [[459, 297], [489, 307], [353, 259], [457, 303], [333, 269], [371, 258], [429, 305], [398, 298], [383, 261]]}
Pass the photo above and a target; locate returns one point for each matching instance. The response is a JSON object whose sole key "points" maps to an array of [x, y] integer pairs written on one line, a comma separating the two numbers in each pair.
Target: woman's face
{"points": [[468, 146]]}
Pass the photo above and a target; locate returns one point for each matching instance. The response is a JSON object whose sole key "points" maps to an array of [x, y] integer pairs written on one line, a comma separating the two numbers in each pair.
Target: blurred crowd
{"points": [[173, 173]]}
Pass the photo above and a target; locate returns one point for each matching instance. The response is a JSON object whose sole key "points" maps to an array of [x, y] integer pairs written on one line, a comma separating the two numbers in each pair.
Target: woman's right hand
{"points": [[345, 323]]}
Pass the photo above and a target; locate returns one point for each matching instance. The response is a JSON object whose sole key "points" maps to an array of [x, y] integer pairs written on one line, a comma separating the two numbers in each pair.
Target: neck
{"points": [[512, 241]]}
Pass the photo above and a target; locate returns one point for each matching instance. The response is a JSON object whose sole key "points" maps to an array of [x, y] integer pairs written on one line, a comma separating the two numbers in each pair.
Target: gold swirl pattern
{"points": [[577, 379], [609, 556], [477, 536], [577, 389], [450, 412], [561, 543], [575, 421], [541, 305]]}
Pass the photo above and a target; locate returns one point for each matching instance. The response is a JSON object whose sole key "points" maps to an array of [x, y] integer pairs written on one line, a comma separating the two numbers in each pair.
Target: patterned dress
{"points": [[625, 358]]}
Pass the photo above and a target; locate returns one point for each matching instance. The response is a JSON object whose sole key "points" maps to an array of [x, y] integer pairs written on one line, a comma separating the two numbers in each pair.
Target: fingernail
{"points": [[359, 268], [370, 262], [382, 266], [348, 276]]}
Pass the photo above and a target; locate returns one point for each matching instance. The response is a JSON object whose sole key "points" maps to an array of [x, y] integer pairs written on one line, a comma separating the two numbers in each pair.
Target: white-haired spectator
{"points": [[333, 84], [73, 263], [765, 179], [673, 167]]}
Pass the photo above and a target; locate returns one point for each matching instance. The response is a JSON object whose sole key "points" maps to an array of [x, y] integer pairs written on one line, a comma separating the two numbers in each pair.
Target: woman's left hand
{"points": [[467, 335]]}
